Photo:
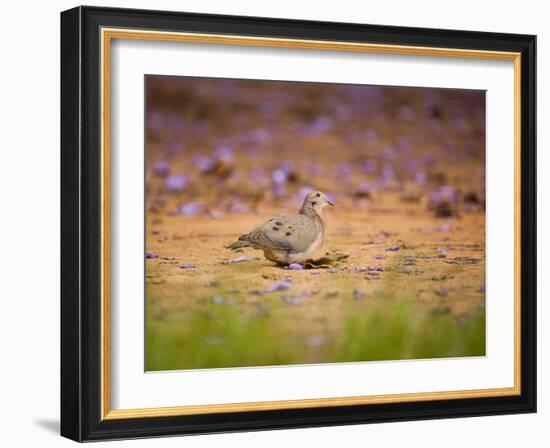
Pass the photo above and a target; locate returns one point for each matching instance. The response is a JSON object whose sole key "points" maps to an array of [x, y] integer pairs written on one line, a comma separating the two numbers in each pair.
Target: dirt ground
{"points": [[441, 269]]}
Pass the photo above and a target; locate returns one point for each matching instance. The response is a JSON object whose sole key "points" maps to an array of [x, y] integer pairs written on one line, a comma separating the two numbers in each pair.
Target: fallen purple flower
{"points": [[392, 248], [223, 153], [358, 294], [187, 266], [295, 267], [421, 178], [376, 269], [378, 257], [369, 165], [190, 209], [204, 163], [161, 168], [176, 183], [151, 255], [443, 228], [278, 286], [278, 176], [239, 208]]}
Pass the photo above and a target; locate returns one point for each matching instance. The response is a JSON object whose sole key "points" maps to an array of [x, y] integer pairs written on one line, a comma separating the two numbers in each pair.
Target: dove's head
{"points": [[316, 200]]}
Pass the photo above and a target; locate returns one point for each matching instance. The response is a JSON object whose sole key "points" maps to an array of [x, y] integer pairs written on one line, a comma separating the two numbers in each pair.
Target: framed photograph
{"points": [[276, 224]]}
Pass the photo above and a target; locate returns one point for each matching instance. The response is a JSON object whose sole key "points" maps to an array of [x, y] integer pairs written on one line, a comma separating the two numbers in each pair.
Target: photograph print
{"points": [[306, 223]]}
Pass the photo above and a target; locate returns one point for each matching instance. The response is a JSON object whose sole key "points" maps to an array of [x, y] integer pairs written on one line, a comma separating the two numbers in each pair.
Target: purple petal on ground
{"points": [[151, 255], [161, 168], [369, 165], [295, 267], [190, 209], [175, 147], [239, 259], [365, 188], [176, 183], [261, 134], [320, 126], [392, 248], [387, 153], [376, 269], [155, 122], [371, 136], [388, 172], [421, 178], [358, 294], [239, 208], [278, 176], [360, 269], [204, 163], [278, 189], [406, 113], [428, 159], [258, 175], [378, 257], [187, 266], [278, 286], [411, 164], [224, 153], [443, 228]]}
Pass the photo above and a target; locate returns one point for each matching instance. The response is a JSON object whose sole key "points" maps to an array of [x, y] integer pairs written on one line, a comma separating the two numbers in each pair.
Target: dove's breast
{"points": [[308, 253], [302, 249]]}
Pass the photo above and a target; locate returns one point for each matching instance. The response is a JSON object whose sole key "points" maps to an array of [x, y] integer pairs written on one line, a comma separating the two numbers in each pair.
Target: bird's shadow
{"points": [[50, 425]]}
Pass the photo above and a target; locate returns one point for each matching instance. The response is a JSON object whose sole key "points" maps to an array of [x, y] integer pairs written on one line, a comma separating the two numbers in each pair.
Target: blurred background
{"points": [[216, 145]]}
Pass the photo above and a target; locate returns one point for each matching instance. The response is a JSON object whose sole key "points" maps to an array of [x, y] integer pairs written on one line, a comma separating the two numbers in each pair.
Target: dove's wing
{"points": [[293, 233]]}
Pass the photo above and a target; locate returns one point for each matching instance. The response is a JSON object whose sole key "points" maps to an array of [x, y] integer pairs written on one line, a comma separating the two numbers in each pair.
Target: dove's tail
{"points": [[239, 244]]}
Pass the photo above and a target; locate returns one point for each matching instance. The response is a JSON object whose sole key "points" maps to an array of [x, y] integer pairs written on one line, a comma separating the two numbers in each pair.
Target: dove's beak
{"points": [[330, 203]]}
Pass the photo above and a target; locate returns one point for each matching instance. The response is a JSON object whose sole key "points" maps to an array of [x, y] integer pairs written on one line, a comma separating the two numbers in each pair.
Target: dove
{"points": [[287, 239]]}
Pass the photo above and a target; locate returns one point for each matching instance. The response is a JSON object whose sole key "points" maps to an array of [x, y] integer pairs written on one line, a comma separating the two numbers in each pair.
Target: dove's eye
{"points": [[313, 202], [318, 195]]}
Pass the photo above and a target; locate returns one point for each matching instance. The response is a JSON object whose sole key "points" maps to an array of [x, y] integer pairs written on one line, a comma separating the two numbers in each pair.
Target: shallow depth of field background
{"points": [[405, 168]]}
